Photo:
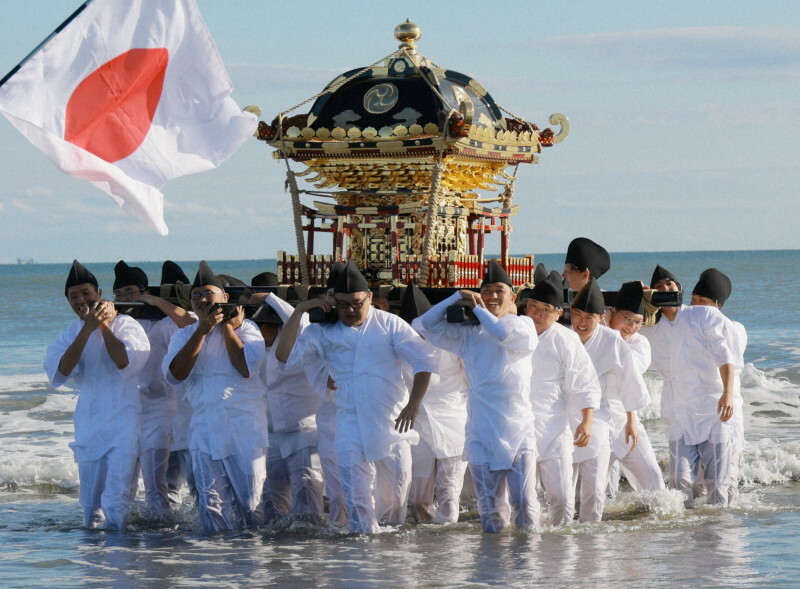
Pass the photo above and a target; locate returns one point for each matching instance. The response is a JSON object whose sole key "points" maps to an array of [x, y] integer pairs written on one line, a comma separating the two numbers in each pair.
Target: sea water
{"points": [[646, 539]]}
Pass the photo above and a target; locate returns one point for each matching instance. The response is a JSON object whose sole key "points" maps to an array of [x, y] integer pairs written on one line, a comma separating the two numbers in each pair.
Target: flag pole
{"points": [[58, 29]]}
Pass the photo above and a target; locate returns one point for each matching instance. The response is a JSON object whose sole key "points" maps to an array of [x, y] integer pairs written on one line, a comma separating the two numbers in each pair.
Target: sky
{"points": [[684, 115]]}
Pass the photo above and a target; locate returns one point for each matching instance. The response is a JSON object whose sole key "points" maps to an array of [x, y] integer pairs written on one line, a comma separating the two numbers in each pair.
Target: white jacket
{"points": [[563, 381], [366, 364], [704, 340], [229, 412], [497, 361], [107, 414]]}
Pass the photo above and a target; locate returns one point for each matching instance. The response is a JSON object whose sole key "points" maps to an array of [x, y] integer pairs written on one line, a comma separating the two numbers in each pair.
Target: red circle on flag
{"points": [[111, 110]]}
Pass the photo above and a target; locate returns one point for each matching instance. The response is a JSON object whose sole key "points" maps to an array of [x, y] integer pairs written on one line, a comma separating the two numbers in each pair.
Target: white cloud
{"points": [[36, 191], [194, 208], [284, 72], [22, 206], [80, 207], [724, 47], [128, 228]]}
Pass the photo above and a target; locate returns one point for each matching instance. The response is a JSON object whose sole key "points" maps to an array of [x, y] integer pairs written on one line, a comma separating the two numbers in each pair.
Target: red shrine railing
{"points": [[449, 271]]}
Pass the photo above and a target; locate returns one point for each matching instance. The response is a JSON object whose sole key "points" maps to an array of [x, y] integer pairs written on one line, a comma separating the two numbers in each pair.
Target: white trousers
{"points": [[738, 448], [375, 491], [105, 492], [326, 430], [435, 480], [155, 441], [294, 483], [155, 463], [180, 475], [592, 474], [507, 495], [716, 459], [237, 479], [639, 465], [555, 475]]}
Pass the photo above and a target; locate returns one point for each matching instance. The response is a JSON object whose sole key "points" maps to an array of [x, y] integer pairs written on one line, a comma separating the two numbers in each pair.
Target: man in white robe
{"points": [[500, 438], [563, 379], [437, 465], [218, 361], [707, 352], [640, 465], [623, 393], [365, 351], [161, 320], [318, 377], [660, 337], [294, 473], [103, 353], [437, 461], [176, 288]]}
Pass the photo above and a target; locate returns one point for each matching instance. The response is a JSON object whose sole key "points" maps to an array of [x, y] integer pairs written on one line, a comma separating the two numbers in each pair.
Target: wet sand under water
{"points": [[646, 540]]}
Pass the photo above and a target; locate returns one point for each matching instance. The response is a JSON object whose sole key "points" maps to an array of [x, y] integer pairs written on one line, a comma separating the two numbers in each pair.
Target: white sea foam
{"points": [[767, 462], [36, 441], [63, 402], [654, 385], [23, 383], [21, 471]]}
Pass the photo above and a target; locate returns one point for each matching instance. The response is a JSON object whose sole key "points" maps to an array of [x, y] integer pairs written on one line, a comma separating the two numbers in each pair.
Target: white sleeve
{"points": [[633, 391], [410, 347], [438, 331], [580, 379], [176, 343], [641, 353], [717, 345], [254, 349], [514, 333], [134, 338], [285, 310], [53, 357]]}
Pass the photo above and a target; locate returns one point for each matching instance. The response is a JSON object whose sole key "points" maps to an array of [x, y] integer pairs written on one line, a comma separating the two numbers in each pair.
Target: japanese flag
{"points": [[130, 94]]}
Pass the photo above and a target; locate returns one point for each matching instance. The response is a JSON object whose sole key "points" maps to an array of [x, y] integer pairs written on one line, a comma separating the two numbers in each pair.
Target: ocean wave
{"points": [[20, 470]]}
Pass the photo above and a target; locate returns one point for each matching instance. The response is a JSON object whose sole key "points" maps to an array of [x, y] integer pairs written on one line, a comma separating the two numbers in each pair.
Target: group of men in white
{"points": [[383, 413]]}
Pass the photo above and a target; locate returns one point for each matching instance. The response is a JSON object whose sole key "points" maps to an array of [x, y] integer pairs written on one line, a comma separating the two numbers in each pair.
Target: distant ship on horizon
{"points": [[26, 261]]}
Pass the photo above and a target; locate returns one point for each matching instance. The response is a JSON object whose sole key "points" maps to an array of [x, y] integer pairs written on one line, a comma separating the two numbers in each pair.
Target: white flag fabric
{"points": [[129, 95]]}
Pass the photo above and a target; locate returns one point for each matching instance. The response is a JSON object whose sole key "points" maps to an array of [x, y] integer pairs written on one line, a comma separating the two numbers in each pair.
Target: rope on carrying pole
{"points": [[429, 243], [506, 198], [291, 183], [508, 192], [297, 209]]}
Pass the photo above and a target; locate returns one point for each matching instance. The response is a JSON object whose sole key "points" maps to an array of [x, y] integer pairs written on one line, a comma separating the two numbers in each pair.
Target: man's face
{"points": [[205, 296], [81, 297], [666, 285], [128, 294], [626, 322], [543, 314], [698, 301], [498, 298], [576, 278], [353, 308], [584, 323]]}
